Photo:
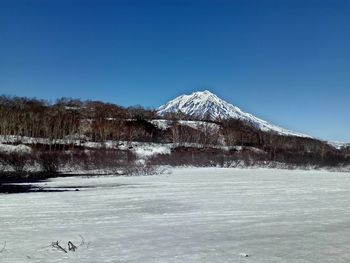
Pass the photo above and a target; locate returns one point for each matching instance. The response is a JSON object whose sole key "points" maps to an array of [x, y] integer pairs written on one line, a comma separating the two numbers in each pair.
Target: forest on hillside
{"points": [[59, 133]]}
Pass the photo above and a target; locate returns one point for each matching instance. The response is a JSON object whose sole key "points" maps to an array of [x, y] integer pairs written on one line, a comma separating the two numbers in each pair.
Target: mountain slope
{"points": [[339, 145], [206, 105]]}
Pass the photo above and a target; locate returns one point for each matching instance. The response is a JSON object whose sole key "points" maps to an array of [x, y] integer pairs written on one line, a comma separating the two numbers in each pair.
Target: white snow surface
{"points": [[204, 104], [7, 148], [198, 125], [151, 149], [141, 149], [339, 145], [192, 215]]}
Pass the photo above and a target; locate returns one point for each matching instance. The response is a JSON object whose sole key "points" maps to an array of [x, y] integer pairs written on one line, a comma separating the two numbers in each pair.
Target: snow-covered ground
{"points": [[191, 215], [339, 145], [199, 125], [141, 149], [8, 148]]}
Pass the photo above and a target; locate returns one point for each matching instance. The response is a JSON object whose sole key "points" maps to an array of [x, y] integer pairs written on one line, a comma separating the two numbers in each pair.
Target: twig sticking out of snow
{"points": [[58, 246], [71, 246], [82, 241], [3, 248]]}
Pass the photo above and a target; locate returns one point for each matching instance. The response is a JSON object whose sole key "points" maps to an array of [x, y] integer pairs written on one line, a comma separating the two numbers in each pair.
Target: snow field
{"points": [[191, 215]]}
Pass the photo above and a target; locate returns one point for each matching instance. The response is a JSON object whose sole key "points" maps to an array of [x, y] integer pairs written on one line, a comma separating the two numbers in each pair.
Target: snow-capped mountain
{"points": [[206, 105]]}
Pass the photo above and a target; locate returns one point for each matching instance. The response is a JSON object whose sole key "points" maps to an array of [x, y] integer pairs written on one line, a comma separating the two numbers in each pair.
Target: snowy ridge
{"points": [[165, 124], [339, 145], [206, 105]]}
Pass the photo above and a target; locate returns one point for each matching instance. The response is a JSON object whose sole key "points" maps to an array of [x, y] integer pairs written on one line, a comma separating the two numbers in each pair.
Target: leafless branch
{"points": [[57, 246], [3, 248], [82, 242], [71, 246]]}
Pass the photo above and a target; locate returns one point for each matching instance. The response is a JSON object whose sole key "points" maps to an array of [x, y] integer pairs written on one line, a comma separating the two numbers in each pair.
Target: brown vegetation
{"points": [[67, 121]]}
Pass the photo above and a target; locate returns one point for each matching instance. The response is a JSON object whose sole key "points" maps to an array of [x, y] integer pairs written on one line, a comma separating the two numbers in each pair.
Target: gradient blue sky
{"points": [[285, 61]]}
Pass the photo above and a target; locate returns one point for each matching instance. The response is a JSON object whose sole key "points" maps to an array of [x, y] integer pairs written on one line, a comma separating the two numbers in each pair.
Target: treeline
{"points": [[45, 163], [285, 149], [72, 119]]}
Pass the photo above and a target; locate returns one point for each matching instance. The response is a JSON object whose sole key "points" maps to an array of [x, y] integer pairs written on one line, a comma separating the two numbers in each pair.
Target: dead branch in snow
{"points": [[82, 242], [3, 248], [71, 246], [57, 246]]}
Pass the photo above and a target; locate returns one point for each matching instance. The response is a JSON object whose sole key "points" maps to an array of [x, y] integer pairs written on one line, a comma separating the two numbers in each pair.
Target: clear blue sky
{"points": [[285, 61]]}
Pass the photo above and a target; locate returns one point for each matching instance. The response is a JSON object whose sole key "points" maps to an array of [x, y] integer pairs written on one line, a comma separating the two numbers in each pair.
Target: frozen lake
{"points": [[192, 215]]}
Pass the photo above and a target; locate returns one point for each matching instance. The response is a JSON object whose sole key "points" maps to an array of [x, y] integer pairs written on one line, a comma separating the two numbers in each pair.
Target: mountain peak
{"points": [[203, 93], [199, 104], [206, 105]]}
